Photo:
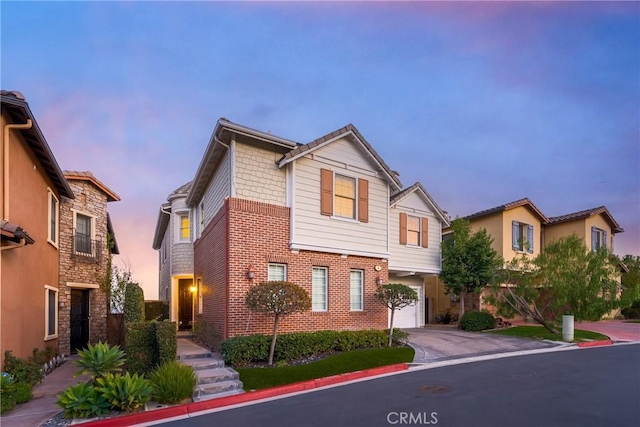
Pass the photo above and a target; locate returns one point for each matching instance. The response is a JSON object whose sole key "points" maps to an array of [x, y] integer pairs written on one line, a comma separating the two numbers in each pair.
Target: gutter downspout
{"points": [[5, 142]]}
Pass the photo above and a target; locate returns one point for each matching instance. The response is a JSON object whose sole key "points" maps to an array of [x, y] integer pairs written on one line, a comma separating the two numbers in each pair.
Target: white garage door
{"points": [[408, 317]]}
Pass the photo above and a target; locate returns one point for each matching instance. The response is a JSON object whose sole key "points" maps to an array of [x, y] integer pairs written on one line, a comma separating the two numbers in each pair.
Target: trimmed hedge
{"points": [[133, 303], [149, 344], [477, 321], [156, 310], [239, 351], [207, 334]]}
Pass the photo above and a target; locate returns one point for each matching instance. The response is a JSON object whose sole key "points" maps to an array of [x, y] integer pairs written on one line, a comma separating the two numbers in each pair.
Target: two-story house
{"points": [[329, 215], [173, 238], [32, 187], [87, 241]]}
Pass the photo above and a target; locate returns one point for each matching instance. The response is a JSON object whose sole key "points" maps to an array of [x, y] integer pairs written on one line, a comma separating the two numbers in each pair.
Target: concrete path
{"points": [[433, 343]]}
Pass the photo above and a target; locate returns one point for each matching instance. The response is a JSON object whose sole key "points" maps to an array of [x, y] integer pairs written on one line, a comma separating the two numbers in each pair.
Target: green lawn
{"points": [[258, 378], [631, 321], [541, 333]]}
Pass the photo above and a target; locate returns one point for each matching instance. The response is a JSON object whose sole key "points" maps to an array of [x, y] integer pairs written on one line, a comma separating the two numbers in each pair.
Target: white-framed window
{"points": [[344, 196], [53, 219], [199, 285], [356, 281], [50, 313], [413, 230], [598, 238], [319, 289], [277, 272], [184, 227], [522, 237]]}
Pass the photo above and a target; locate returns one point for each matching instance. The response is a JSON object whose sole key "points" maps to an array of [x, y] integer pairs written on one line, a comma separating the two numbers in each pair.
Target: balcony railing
{"points": [[86, 249]]}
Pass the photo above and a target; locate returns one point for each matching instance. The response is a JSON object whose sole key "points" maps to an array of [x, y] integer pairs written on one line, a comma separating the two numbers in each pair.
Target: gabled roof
{"points": [[349, 129], [602, 210], [88, 176], [16, 107], [418, 188], [218, 144], [508, 206]]}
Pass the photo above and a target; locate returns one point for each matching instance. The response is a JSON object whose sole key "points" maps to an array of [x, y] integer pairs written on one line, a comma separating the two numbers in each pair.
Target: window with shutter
{"points": [[522, 236], [514, 235], [598, 238]]}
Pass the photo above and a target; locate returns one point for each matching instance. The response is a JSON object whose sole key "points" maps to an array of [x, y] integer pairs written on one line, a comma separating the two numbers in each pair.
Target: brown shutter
{"points": [[403, 228], [326, 192], [363, 200], [425, 232]]}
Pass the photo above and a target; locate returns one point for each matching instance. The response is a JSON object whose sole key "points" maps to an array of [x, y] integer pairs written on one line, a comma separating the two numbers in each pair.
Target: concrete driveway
{"points": [[433, 343], [614, 329]]}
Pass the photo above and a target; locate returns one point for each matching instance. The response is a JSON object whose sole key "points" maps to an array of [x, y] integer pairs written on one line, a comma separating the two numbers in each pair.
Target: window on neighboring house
{"points": [[522, 237], [51, 313], [598, 239], [277, 272], [414, 231], [82, 234], [356, 278], [344, 196], [319, 289], [185, 227], [199, 284], [53, 220]]}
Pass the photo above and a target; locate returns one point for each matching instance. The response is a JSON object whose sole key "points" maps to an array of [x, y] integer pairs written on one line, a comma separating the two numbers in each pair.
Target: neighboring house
{"points": [[596, 227], [330, 216], [173, 239], [32, 187], [85, 235]]}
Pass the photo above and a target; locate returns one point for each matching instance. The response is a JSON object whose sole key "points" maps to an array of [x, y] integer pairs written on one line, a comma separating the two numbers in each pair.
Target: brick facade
{"points": [[83, 273], [253, 233]]}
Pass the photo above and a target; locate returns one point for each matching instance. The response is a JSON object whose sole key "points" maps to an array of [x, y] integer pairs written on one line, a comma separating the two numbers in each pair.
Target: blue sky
{"points": [[484, 103]]}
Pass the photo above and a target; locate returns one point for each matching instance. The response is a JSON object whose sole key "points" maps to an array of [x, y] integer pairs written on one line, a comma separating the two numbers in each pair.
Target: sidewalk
{"points": [[43, 405]]}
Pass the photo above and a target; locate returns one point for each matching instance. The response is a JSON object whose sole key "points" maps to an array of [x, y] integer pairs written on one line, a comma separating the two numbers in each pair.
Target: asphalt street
{"points": [[586, 387]]}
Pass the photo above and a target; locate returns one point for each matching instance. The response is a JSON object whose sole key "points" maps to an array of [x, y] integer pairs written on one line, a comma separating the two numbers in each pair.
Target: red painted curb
{"points": [[595, 343], [190, 408]]}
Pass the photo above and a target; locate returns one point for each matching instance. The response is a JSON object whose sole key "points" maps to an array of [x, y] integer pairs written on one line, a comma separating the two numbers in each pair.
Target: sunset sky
{"points": [[484, 103]]}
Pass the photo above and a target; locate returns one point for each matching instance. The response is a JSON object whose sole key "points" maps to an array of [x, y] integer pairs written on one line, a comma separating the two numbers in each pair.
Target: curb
{"points": [[595, 343], [190, 408]]}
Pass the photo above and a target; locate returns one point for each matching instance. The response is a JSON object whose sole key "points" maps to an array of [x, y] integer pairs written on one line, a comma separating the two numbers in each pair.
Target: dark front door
{"points": [[185, 303], [79, 319]]}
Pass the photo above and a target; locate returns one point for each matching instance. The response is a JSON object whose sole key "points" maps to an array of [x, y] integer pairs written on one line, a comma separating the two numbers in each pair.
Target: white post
{"points": [[567, 328]]}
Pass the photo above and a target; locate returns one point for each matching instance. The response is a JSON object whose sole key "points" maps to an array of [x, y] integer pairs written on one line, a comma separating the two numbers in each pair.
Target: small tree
{"points": [[277, 299], [630, 281], [469, 263], [395, 296]]}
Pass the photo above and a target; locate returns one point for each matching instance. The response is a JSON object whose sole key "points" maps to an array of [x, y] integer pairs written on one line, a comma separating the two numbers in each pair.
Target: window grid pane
{"points": [[345, 196], [319, 289], [185, 229], [356, 289], [413, 230], [277, 272]]}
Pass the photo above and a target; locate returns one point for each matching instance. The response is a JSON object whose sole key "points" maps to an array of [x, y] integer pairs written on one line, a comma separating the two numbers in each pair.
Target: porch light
{"points": [[379, 280], [251, 274], [193, 289]]}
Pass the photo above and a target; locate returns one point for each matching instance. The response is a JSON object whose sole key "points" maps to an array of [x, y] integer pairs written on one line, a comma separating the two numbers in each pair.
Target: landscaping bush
{"points": [[99, 359], [22, 371], [172, 382], [240, 351], [165, 334], [632, 312], [207, 333], [133, 303], [477, 321], [156, 310], [142, 351], [124, 392], [83, 401], [7, 396], [22, 392]]}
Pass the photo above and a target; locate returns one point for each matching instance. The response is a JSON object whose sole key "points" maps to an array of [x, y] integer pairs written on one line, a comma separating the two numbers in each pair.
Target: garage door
{"points": [[408, 317]]}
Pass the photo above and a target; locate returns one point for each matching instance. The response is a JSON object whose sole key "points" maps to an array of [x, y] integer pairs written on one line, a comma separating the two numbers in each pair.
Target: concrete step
{"points": [[204, 363], [208, 376], [217, 389], [204, 354]]}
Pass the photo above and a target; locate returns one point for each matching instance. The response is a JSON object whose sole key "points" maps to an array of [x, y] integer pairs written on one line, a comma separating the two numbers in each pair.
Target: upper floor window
{"points": [[277, 272], [53, 219], [522, 237], [344, 196], [414, 231], [83, 233], [185, 227], [598, 238]]}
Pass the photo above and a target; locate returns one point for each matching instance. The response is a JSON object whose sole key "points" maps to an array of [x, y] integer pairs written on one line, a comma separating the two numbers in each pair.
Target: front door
{"points": [[185, 304], [79, 319]]}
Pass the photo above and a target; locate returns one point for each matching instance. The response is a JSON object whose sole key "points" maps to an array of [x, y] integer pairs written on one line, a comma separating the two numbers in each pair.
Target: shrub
{"points": [[165, 334], [124, 392], [7, 396], [156, 310], [22, 392], [207, 333], [99, 359], [133, 303], [446, 317], [477, 321], [632, 312], [21, 370], [172, 382], [142, 352], [83, 401]]}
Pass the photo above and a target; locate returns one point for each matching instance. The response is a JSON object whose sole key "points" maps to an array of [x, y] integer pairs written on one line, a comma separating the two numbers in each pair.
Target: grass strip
{"points": [[539, 332]]}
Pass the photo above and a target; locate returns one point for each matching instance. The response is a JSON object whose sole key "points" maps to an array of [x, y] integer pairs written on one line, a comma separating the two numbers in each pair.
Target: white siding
{"points": [[218, 189], [321, 232], [409, 258], [258, 177]]}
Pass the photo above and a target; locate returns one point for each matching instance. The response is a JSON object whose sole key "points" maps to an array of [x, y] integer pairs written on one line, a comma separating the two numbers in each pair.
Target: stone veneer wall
{"points": [[91, 201]]}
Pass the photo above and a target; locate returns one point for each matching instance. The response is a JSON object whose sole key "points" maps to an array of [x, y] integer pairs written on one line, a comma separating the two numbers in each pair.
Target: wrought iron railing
{"points": [[86, 248]]}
